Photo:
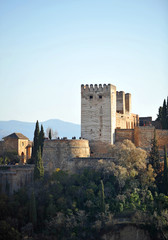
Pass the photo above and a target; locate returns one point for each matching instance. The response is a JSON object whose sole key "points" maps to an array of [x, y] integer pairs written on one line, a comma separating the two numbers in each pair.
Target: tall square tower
{"points": [[98, 112]]}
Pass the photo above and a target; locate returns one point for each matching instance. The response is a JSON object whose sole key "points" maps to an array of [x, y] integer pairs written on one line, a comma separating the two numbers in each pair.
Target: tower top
{"points": [[96, 87]]}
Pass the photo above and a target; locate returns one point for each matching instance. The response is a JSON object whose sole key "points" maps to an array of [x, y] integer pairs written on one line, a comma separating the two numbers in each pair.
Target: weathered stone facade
{"points": [[142, 136], [12, 178], [103, 109], [98, 112], [58, 153]]}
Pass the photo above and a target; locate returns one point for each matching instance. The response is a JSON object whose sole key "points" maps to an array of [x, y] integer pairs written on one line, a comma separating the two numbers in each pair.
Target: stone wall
{"points": [[57, 153], [100, 149], [79, 164], [12, 178], [122, 134], [142, 136], [1, 147], [11, 145], [103, 109], [98, 112]]}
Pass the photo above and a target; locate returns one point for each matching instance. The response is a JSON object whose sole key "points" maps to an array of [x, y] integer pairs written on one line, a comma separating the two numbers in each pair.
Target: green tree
{"points": [[35, 141], [32, 210], [38, 169], [1, 161], [8, 232], [102, 197], [159, 114], [41, 138], [165, 174], [51, 209], [164, 116], [154, 158]]}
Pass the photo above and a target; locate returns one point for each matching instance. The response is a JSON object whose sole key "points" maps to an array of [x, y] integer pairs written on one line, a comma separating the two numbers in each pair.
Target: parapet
{"points": [[96, 87], [120, 94]]}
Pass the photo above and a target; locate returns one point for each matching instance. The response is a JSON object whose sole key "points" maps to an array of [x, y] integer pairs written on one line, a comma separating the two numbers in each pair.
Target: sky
{"points": [[48, 48]]}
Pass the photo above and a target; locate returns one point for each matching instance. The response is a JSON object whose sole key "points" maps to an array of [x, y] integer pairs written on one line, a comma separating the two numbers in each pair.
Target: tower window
{"points": [[100, 96], [91, 96]]}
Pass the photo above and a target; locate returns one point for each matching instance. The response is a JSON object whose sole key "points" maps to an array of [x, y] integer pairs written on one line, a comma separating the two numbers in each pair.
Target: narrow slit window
{"points": [[91, 96], [100, 96]]}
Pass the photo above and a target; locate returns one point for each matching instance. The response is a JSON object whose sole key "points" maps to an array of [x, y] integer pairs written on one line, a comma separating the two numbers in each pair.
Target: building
{"points": [[17, 143], [103, 109]]}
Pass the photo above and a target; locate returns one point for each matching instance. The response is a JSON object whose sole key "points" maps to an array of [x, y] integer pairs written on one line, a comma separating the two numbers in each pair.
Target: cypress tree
{"points": [[35, 141], [154, 158], [41, 138], [160, 114], [164, 116], [32, 210], [38, 169], [165, 174], [102, 197]]}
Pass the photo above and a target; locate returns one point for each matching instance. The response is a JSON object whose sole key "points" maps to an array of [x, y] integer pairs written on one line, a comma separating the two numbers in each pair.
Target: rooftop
{"points": [[16, 136]]}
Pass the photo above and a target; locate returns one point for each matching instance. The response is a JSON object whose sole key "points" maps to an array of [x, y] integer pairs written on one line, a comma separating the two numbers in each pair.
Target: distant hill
{"points": [[64, 129]]}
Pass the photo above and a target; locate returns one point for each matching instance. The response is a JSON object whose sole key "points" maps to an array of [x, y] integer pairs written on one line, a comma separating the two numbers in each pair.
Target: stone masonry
{"points": [[103, 109], [98, 112]]}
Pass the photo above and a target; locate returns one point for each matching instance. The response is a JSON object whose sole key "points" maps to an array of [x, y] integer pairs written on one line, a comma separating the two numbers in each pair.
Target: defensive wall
{"points": [[72, 155], [142, 136], [57, 153], [79, 164], [100, 149], [12, 178]]}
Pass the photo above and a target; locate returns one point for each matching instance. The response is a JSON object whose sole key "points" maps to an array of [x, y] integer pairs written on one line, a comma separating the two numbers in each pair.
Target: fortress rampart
{"points": [[12, 178], [57, 153], [142, 136]]}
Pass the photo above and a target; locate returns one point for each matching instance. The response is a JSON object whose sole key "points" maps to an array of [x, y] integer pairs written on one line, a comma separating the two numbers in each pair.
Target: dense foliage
{"points": [[78, 206], [154, 158], [9, 158]]}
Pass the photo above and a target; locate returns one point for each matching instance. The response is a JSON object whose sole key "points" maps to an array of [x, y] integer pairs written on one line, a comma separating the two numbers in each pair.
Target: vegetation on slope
{"points": [[78, 206]]}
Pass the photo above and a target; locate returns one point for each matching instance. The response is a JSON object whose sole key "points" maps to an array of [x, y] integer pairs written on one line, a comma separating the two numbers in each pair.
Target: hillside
{"points": [[64, 129]]}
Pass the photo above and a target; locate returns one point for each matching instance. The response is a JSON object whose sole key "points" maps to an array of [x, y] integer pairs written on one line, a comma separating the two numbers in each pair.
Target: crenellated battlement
{"points": [[96, 87]]}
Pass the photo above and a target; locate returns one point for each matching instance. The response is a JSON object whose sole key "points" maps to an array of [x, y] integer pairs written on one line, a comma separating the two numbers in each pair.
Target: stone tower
{"points": [[98, 112]]}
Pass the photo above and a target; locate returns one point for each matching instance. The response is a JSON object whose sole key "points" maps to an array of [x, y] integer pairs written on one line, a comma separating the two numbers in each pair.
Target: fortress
{"points": [[106, 118], [103, 110]]}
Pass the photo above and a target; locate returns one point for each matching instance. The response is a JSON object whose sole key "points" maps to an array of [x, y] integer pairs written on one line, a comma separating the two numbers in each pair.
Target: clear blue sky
{"points": [[49, 48]]}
